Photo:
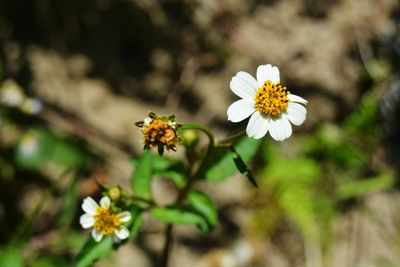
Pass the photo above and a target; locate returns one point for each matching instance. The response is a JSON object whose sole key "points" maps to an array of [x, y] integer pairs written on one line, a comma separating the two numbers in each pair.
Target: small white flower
{"points": [[31, 106], [11, 94], [30, 143], [103, 219], [269, 105]]}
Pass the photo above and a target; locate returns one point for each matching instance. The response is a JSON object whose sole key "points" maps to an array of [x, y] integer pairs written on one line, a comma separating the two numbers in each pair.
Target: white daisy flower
{"points": [[269, 105], [103, 219]]}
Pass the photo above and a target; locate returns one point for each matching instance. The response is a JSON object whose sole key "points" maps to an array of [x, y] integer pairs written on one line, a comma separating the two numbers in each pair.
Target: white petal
{"points": [[124, 216], [296, 113], [122, 232], [115, 239], [263, 127], [105, 202], [240, 110], [262, 74], [280, 128], [267, 72], [248, 79], [86, 221], [298, 99], [258, 126], [273, 74], [97, 236], [89, 206], [242, 86]]}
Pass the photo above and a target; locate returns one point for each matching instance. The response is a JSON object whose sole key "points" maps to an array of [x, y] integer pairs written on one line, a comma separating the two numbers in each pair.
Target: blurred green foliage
{"points": [[308, 179]]}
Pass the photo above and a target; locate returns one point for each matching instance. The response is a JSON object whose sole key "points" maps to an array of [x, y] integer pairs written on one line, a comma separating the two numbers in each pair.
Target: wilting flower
{"points": [[269, 104], [104, 220], [160, 132]]}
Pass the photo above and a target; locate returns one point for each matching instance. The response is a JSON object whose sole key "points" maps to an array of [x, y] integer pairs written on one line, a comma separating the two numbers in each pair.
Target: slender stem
{"points": [[167, 245], [227, 142], [140, 199], [197, 175], [185, 190], [21, 228]]}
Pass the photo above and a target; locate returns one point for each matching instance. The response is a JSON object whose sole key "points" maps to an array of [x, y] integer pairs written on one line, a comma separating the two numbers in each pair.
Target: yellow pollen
{"points": [[106, 221], [271, 98]]}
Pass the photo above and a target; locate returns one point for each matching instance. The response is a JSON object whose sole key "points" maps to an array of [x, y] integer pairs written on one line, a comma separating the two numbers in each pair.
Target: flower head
{"points": [[270, 106], [103, 219], [160, 132], [11, 94]]}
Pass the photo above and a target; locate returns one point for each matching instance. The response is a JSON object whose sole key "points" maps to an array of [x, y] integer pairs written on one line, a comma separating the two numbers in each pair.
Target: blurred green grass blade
{"points": [[70, 204], [203, 204], [92, 251], [141, 178], [362, 187], [180, 215], [223, 165]]}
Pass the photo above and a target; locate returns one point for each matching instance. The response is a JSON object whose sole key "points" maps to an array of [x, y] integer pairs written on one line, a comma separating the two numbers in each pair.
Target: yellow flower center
{"points": [[271, 98], [106, 221]]}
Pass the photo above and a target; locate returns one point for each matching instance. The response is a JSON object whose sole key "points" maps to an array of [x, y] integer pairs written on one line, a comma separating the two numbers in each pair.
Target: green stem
{"points": [[167, 246], [199, 172], [21, 228], [140, 199], [191, 181], [227, 142]]}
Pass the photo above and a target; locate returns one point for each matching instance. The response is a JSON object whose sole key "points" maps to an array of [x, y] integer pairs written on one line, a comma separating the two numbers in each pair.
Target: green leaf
{"points": [[242, 167], [223, 165], [204, 205], [66, 154], [48, 262], [33, 148], [11, 258], [175, 171], [141, 178], [180, 215], [92, 251], [136, 221], [40, 145], [171, 169]]}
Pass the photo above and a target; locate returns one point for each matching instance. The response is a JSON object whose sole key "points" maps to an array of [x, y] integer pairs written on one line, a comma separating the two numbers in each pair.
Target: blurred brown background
{"points": [[98, 66]]}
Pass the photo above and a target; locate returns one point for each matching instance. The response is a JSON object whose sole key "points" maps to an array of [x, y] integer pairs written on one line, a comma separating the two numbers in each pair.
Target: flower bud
{"points": [[114, 193]]}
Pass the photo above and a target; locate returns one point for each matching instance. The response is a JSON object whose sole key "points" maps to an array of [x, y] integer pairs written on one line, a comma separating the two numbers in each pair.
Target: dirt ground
{"points": [[101, 65]]}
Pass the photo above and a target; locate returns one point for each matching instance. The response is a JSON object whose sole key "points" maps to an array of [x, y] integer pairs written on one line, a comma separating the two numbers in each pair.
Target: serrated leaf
{"points": [[141, 178], [203, 204], [223, 165], [180, 215], [92, 251]]}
